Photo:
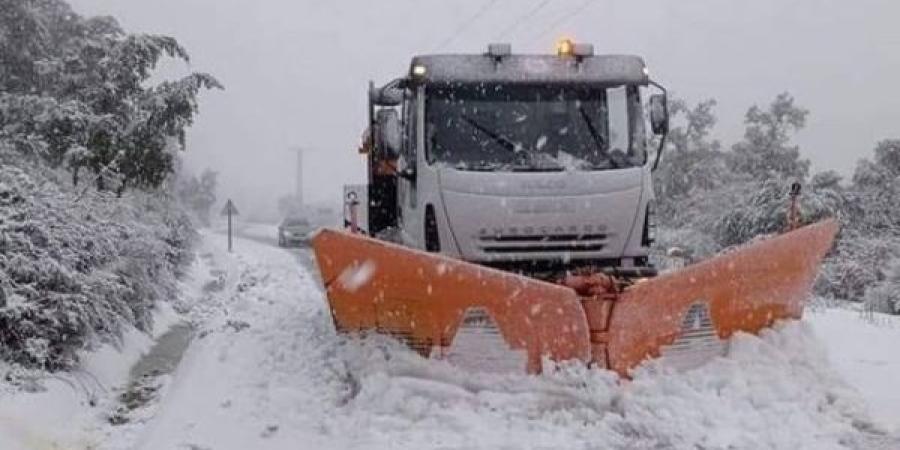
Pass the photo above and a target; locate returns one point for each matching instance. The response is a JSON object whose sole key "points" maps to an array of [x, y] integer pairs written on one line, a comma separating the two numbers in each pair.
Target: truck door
{"points": [[408, 170]]}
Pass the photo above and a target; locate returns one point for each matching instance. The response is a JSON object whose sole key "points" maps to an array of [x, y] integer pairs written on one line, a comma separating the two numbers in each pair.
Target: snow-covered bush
{"points": [[764, 209], [76, 266], [883, 298], [864, 265], [885, 295], [857, 263]]}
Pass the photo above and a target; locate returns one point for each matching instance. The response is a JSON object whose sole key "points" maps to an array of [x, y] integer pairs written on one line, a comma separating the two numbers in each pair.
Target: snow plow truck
{"points": [[509, 216]]}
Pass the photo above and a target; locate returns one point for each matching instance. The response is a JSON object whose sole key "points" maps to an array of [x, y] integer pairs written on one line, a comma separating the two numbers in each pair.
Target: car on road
{"points": [[294, 231]]}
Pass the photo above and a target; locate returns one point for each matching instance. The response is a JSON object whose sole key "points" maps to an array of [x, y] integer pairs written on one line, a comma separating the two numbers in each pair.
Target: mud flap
{"points": [[423, 298]]}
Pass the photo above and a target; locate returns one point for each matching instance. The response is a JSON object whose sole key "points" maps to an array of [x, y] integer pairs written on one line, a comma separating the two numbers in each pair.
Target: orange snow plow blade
{"points": [[422, 298], [745, 290], [431, 301]]}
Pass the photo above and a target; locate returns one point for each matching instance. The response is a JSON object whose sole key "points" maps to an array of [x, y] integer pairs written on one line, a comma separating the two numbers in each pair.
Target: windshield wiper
{"points": [[598, 141], [498, 138], [537, 169], [482, 167]]}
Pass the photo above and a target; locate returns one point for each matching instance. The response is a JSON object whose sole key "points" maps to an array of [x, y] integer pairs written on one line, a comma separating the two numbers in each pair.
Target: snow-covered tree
{"points": [[876, 190], [887, 155], [692, 160], [76, 93], [766, 151], [198, 193], [711, 199], [828, 179]]}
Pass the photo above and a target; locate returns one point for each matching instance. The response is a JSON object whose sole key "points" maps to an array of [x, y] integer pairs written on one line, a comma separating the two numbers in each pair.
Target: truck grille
{"points": [[572, 243]]}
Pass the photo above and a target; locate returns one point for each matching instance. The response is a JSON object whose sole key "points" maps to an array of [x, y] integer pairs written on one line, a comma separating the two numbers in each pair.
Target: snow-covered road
{"points": [[267, 371], [257, 375], [863, 349]]}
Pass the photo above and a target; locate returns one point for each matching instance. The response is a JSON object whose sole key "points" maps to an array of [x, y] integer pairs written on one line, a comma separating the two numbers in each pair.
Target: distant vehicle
{"points": [[294, 231]]}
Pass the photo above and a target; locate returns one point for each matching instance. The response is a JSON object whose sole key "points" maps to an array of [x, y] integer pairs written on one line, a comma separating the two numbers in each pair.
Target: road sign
{"points": [[230, 210]]}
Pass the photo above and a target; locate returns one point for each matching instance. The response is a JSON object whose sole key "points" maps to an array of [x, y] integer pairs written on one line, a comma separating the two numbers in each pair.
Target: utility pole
{"points": [[299, 180], [230, 210]]}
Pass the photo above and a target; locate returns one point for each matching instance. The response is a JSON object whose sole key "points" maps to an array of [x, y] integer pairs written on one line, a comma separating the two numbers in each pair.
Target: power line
{"points": [[467, 24], [565, 18], [523, 18]]}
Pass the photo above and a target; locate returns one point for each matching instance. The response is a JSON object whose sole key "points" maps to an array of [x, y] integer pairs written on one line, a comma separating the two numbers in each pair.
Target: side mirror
{"points": [[390, 94], [408, 174], [659, 114], [390, 132]]}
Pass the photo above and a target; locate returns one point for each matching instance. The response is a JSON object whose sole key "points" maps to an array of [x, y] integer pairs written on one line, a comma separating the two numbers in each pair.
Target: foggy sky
{"points": [[296, 71]]}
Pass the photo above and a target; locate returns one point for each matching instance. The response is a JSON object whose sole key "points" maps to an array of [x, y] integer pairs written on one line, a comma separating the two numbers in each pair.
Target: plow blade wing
{"points": [[424, 299], [746, 290]]}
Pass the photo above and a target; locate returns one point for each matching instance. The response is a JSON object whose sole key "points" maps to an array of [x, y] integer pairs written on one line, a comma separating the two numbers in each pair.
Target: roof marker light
{"points": [[498, 51], [419, 70], [565, 47]]}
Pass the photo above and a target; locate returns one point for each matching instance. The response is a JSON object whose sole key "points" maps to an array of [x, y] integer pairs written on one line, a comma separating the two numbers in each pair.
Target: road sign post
{"points": [[230, 210]]}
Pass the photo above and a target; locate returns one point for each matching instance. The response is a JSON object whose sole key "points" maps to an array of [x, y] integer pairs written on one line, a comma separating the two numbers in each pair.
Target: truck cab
{"points": [[530, 163]]}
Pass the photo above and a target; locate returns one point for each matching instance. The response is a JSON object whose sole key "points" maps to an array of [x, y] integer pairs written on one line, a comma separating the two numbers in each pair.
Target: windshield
{"points": [[534, 128], [295, 223]]}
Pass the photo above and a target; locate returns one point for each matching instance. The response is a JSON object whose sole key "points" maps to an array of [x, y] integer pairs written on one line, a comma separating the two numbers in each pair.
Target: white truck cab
{"points": [[531, 163]]}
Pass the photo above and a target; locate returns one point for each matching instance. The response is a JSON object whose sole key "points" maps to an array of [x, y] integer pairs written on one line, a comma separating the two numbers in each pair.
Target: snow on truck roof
{"points": [[485, 68]]}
